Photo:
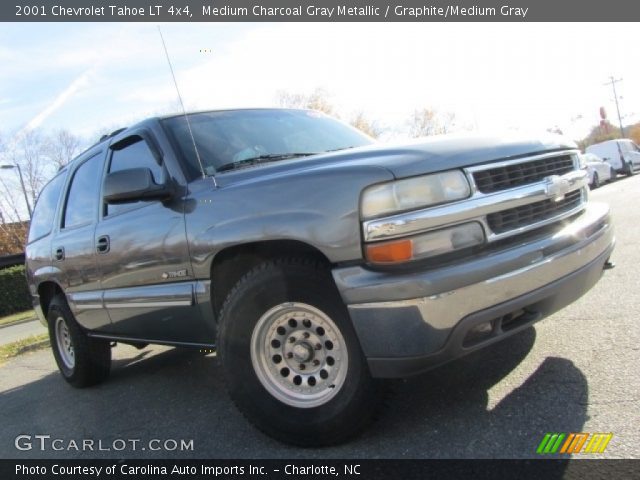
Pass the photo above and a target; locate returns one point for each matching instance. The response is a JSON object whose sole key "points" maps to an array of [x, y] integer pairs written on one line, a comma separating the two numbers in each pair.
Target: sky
{"points": [[93, 77]]}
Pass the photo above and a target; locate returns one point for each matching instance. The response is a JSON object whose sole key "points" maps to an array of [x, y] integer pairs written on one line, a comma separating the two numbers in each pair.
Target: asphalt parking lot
{"points": [[576, 371]]}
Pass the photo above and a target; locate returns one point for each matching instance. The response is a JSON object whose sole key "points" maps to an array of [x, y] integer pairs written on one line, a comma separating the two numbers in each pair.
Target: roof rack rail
{"points": [[112, 134]]}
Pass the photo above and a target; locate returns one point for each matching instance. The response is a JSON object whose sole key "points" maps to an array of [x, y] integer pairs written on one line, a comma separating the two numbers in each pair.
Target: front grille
{"points": [[526, 215], [515, 175]]}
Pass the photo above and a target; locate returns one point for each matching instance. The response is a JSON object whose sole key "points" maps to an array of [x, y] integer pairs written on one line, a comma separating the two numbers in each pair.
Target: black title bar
{"points": [[316, 469], [317, 11]]}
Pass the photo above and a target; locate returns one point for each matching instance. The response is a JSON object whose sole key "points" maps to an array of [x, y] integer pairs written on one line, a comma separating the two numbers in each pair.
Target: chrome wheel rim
{"points": [[299, 355], [64, 343]]}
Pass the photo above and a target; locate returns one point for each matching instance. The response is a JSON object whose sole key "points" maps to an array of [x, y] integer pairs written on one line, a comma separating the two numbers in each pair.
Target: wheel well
{"points": [[46, 291], [231, 264]]}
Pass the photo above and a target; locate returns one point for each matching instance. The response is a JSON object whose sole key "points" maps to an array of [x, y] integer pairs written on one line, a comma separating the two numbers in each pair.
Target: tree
{"points": [[28, 151], [61, 147], [316, 100], [633, 132], [425, 122], [600, 133], [362, 123]]}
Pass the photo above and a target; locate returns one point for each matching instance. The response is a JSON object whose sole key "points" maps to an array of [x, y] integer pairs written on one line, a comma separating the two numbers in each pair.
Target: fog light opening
{"points": [[479, 333]]}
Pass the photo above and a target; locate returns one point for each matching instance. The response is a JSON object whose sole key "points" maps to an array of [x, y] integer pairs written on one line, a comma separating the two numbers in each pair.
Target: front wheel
{"points": [[82, 361], [629, 171], [291, 358], [596, 181]]}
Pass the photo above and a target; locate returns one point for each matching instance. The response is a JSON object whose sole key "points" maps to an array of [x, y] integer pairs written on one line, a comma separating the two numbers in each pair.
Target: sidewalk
{"points": [[13, 333]]}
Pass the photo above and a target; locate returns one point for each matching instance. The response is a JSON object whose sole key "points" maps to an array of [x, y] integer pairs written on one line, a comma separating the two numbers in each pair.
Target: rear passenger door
{"points": [[142, 252], [73, 249]]}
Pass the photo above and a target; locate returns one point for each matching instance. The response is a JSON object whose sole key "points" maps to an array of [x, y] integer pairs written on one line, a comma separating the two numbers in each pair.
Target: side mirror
{"points": [[133, 185]]}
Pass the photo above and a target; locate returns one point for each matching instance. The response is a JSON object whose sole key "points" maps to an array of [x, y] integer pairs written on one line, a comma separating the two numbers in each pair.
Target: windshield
{"points": [[226, 139]]}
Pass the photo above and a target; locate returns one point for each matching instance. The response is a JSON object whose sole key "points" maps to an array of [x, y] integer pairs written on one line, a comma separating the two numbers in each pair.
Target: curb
{"points": [[33, 346]]}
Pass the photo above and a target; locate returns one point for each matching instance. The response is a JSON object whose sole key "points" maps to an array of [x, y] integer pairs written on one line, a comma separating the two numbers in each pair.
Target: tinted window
{"points": [[82, 201], [136, 155], [46, 208]]}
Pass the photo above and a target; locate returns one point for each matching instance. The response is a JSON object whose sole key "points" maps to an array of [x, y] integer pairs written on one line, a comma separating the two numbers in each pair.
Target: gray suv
{"points": [[314, 261]]}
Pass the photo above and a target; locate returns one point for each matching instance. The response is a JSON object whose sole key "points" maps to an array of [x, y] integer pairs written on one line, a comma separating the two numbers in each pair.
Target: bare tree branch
{"points": [[425, 122], [316, 100], [61, 147], [362, 123]]}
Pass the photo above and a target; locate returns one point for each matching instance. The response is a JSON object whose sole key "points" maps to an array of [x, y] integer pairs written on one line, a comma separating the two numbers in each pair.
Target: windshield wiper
{"points": [[338, 149], [270, 157]]}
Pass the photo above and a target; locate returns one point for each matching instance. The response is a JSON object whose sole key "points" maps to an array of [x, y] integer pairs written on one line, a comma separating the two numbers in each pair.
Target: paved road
{"points": [[576, 371]]}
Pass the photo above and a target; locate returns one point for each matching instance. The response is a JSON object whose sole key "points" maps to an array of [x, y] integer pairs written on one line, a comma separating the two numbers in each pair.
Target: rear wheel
{"points": [[291, 358], [629, 170], [596, 180], [82, 361]]}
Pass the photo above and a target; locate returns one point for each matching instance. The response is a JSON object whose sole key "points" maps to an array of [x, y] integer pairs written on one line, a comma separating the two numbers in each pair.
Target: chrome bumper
{"points": [[414, 314]]}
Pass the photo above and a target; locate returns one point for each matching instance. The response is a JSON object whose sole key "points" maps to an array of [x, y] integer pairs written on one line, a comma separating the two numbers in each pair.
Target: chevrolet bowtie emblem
{"points": [[556, 187]]}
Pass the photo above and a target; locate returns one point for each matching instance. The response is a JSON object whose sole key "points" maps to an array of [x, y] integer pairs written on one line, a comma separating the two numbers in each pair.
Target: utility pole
{"points": [[613, 82]]}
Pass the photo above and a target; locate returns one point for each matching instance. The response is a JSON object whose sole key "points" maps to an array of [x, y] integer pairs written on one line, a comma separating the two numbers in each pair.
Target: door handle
{"points": [[103, 244], [59, 253]]}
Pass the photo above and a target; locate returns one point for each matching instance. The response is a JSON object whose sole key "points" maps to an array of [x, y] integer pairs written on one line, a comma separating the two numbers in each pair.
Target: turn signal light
{"points": [[390, 252]]}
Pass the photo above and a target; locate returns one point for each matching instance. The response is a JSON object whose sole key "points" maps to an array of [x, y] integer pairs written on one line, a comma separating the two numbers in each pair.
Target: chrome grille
{"points": [[522, 173], [532, 213]]}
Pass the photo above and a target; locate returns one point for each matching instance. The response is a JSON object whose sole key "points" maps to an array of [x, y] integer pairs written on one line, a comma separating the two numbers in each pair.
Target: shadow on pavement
{"points": [[445, 413], [179, 394]]}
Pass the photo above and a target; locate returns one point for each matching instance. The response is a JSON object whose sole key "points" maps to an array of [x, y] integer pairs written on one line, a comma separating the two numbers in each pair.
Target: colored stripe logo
{"points": [[574, 443]]}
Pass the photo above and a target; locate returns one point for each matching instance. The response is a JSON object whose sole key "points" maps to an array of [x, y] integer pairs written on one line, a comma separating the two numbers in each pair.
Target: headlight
{"points": [[413, 193]]}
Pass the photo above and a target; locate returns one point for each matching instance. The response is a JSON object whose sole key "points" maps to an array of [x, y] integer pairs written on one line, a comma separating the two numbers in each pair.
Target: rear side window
{"points": [[82, 200], [45, 209]]}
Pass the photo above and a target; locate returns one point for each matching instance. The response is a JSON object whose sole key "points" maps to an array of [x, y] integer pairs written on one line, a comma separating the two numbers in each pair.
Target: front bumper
{"points": [[410, 322]]}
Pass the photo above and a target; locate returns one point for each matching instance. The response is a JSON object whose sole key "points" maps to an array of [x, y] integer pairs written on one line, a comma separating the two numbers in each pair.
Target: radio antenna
{"points": [[184, 111]]}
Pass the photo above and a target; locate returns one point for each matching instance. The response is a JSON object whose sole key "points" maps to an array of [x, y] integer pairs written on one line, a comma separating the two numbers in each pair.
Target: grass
{"points": [[13, 349], [17, 317]]}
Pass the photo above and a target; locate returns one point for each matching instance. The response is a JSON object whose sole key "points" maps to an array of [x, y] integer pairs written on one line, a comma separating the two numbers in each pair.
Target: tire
{"points": [[82, 361], [596, 180], [263, 367], [629, 170]]}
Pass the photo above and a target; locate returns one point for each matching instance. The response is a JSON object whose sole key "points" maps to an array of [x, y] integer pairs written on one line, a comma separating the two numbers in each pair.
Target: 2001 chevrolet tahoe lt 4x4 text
{"points": [[313, 260]]}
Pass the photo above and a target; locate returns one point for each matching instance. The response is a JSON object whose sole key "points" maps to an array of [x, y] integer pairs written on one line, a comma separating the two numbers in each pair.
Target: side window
{"points": [[135, 155], [45, 208], [82, 199]]}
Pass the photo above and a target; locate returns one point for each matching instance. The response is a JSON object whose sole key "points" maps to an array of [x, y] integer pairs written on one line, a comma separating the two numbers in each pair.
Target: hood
{"points": [[413, 158]]}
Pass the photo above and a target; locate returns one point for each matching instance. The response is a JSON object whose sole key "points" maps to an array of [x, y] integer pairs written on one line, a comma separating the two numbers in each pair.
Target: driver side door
{"points": [[142, 252]]}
